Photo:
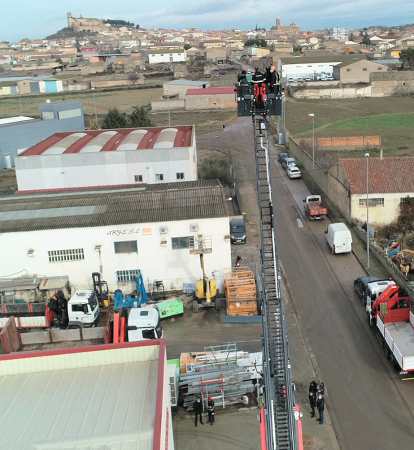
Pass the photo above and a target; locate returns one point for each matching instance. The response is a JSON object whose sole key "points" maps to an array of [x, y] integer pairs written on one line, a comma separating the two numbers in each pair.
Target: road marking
{"points": [[300, 223]]}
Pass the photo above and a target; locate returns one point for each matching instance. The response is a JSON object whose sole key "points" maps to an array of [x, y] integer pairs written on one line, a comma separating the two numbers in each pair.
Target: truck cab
{"points": [[144, 324], [83, 310], [372, 292]]}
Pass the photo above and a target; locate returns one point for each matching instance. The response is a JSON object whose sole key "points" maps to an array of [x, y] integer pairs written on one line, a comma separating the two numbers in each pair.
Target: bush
{"points": [[214, 168]]}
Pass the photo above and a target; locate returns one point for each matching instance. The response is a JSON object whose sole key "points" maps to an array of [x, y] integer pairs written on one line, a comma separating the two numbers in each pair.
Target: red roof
{"points": [[112, 140], [386, 176], [211, 91]]}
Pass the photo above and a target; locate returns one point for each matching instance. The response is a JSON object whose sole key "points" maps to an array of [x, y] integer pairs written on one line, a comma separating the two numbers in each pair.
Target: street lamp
{"points": [[313, 151], [367, 157], [94, 101], [168, 100]]}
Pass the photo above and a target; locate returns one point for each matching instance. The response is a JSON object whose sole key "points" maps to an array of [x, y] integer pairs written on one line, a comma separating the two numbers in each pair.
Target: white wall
{"points": [[378, 215], [156, 261], [105, 168], [166, 57], [303, 69]]}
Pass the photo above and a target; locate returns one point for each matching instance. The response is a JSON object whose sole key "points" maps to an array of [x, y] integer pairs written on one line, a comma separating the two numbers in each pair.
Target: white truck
{"points": [[82, 310], [144, 324], [373, 290]]}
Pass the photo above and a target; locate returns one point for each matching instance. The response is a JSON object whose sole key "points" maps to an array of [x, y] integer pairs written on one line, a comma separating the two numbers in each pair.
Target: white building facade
{"points": [[166, 56], [109, 158], [117, 233]]}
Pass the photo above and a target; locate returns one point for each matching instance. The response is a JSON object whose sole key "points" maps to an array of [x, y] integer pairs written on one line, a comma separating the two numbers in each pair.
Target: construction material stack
{"points": [[240, 291], [221, 372]]}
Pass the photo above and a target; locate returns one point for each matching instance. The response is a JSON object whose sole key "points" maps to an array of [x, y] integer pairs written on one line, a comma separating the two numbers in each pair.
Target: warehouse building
{"points": [[109, 158], [117, 232], [20, 133], [107, 396]]}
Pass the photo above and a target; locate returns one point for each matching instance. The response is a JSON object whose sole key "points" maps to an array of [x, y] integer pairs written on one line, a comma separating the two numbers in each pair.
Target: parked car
{"points": [[361, 283], [290, 80], [238, 231], [299, 79], [288, 162], [294, 172], [308, 79], [249, 71], [282, 155], [217, 74], [208, 75], [330, 78]]}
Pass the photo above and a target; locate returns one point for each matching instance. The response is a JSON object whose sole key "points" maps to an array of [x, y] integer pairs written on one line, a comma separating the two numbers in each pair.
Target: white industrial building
{"points": [[108, 397], [117, 232], [167, 55], [109, 158], [312, 66]]}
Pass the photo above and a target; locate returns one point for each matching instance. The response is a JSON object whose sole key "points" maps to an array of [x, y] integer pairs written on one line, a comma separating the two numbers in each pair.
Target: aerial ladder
{"points": [[281, 427]]}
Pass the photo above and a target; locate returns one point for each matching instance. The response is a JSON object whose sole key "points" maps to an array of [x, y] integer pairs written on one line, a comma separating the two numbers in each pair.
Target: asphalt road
{"points": [[370, 407]]}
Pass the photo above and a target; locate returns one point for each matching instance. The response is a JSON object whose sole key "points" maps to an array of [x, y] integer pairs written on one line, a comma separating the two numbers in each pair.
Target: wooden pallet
{"points": [[240, 291]]}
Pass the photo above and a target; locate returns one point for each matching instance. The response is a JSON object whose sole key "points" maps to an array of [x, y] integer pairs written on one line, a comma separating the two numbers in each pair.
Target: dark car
{"points": [[361, 283], [238, 231], [208, 75], [281, 156]]}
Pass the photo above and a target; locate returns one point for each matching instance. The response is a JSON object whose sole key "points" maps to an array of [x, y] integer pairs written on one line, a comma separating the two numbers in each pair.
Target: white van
{"points": [[339, 238]]}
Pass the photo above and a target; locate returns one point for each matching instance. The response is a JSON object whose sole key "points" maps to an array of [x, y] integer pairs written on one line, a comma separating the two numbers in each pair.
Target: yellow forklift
{"points": [[206, 292]]}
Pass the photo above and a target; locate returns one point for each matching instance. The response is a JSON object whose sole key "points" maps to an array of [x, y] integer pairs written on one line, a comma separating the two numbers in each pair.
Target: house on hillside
{"points": [[391, 181], [357, 71]]}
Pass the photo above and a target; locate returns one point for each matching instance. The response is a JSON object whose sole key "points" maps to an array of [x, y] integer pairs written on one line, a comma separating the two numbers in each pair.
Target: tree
{"points": [[255, 42], [407, 58], [93, 125], [366, 40], [133, 77], [78, 46], [59, 60], [139, 118], [114, 119], [187, 46], [213, 168]]}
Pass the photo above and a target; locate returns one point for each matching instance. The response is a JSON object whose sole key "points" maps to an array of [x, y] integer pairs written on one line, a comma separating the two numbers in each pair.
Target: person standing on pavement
{"points": [[210, 410], [312, 397], [198, 411], [320, 404]]}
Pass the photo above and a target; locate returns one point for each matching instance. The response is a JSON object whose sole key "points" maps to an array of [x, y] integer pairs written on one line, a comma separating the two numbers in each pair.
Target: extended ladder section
{"points": [[279, 397]]}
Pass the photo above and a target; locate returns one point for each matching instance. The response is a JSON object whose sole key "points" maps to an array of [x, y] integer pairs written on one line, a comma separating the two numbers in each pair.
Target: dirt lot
{"points": [[8, 182], [392, 118]]}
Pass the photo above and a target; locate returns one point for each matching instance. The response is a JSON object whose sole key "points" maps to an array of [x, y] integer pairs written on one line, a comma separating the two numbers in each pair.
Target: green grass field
{"points": [[390, 117]]}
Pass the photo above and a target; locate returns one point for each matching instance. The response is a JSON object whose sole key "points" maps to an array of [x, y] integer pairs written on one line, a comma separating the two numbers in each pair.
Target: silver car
{"points": [[294, 172], [286, 162]]}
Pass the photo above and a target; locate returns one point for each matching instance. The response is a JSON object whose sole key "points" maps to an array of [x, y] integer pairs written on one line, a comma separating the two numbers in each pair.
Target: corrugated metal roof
{"points": [[112, 140], [186, 83], [211, 91], [389, 175], [155, 203], [89, 403]]}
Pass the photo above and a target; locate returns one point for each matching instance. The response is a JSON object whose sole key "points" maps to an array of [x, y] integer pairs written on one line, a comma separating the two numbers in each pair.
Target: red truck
{"points": [[392, 319], [314, 208]]}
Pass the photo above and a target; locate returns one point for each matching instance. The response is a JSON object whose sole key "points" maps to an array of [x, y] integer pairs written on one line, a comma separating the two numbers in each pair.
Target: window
{"points": [[180, 175], [75, 254], [159, 177], [77, 308], [372, 202], [364, 69], [126, 247], [126, 275], [181, 242], [138, 178], [69, 113]]}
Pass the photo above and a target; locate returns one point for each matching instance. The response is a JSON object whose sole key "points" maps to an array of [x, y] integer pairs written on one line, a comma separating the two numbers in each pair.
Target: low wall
{"points": [[10, 339], [197, 102], [49, 336], [351, 141], [333, 92], [163, 105], [112, 83]]}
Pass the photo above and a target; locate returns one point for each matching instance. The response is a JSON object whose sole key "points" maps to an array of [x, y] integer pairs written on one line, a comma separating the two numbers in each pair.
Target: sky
{"points": [[40, 18]]}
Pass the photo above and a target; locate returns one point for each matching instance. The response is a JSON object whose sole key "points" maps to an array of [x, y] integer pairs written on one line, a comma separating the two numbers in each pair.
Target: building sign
{"points": [[129, 231]]}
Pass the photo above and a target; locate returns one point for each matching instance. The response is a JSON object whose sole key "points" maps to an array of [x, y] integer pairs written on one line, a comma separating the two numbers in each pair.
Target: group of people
{"points": [[263, 83], [198, 410], [317, 400]]}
